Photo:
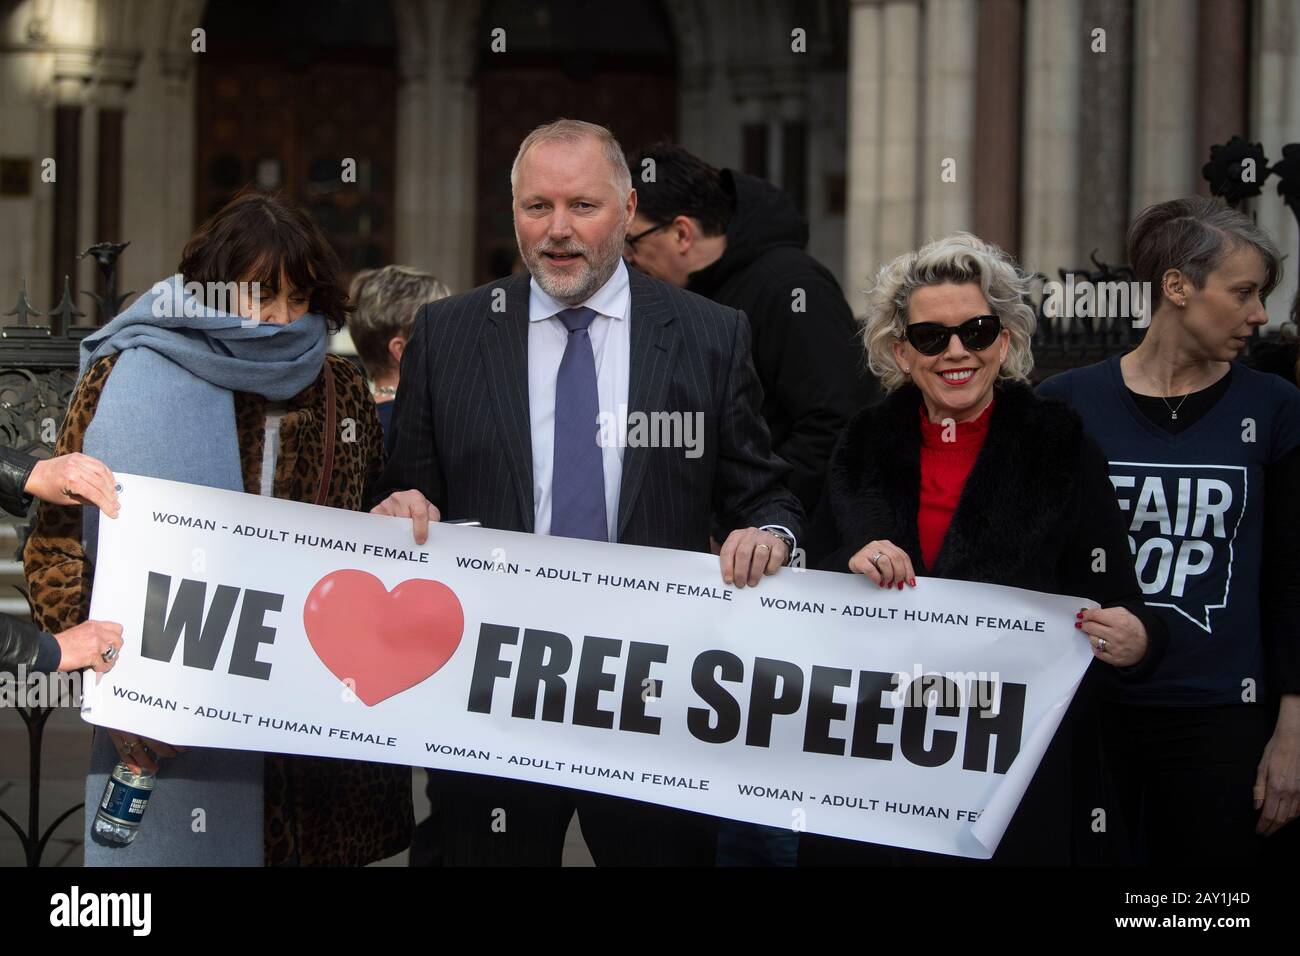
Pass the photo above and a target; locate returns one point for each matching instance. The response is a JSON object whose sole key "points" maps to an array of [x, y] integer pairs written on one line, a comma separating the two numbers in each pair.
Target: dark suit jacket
{"points": [[460, 431]]}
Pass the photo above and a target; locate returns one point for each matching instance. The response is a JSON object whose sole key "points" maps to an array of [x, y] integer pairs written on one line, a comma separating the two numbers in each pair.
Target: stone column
{"points": [[866, 111], [158, 143], [950, 54], [1165, 164], [1054, 42], [900, 157], [436, 138], [998, 123], [72, 73], [884, 132], [410, 186], [115, 74], [827, 119], [697, 84], [1222, 77], [1105, 117]]}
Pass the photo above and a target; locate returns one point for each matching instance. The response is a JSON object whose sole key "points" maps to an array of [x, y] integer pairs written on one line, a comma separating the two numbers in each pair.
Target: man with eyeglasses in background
{"points": [[740, 241]]}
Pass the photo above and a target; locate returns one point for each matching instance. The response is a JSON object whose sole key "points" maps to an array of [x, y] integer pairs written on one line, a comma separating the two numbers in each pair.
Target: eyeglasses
{"points": [[977, 334], [633, 240]]}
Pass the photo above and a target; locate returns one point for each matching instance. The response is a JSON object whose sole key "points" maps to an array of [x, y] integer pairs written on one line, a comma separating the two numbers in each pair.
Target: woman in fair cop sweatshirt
{"points": [[1204, 456]]}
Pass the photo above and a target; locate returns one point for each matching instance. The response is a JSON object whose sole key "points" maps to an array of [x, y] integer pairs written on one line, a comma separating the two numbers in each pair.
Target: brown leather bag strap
{"points": [[331, 426]]}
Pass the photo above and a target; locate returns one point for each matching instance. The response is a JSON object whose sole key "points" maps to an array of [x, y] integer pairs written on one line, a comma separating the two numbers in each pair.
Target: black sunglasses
{"points": [[633, 240], [977, 334]]}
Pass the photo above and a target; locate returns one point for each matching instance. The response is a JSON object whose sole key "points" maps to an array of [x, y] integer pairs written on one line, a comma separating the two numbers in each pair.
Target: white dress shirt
{"points": [[611, 343]]}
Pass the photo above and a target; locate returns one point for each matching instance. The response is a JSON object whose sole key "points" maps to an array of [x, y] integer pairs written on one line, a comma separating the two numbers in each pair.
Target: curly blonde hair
{"points": [[958, 258]]}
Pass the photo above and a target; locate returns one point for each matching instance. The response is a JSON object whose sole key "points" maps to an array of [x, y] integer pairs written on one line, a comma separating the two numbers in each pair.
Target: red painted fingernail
{"points": [[1078, 624], [900, 585], [1080, 614], [913, 582]]}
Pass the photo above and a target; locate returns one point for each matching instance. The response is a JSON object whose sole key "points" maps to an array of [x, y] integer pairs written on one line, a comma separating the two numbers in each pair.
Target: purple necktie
{"points": [[578, 475]]}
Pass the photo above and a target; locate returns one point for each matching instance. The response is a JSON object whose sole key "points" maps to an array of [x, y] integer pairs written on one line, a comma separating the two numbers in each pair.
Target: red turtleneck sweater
{"points": [[945, 466]]}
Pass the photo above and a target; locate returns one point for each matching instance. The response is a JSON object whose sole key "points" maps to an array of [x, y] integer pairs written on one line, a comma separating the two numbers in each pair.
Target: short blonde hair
{"points": [[385, 302], [575, 131], [958, 258]]}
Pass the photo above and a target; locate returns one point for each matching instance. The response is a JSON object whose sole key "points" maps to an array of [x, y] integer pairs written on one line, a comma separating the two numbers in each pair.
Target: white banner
{"points": [[815, 701]]}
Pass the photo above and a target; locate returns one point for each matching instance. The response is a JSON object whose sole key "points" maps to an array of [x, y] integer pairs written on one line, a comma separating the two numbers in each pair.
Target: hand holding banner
{"points": [[914, 718]]}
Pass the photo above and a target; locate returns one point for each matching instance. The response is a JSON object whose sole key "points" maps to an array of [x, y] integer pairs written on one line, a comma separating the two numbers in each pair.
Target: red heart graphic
{"points": [[383, 641]]}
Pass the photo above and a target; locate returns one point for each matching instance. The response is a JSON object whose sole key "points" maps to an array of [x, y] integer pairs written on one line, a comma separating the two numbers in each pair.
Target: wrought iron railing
{"points": [[38, 370], [1064, 339], [1236, 172]]}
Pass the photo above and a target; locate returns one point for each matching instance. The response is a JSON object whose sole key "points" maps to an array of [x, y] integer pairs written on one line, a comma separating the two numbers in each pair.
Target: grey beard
{"points": [[597, 275]]}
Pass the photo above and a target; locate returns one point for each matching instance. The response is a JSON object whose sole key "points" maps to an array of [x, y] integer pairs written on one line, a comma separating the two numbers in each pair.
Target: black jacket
{"points": [[809, 362], [1276, 356], [15, 469], [1036, 505], [1281, 563], [20, 641], [21, 645]]}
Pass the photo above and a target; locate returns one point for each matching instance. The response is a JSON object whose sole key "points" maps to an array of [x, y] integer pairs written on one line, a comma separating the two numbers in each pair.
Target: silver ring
{"points": [[1101, 643], [109, 654], [763, 546], [875, 559]]}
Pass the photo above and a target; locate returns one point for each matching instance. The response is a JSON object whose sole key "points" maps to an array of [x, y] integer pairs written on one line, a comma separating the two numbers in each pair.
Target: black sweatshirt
{"points": [[1199, 494], [805, 348]]}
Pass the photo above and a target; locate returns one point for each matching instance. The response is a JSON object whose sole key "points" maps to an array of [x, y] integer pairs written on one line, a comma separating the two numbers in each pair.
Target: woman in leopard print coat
{"points": [[318, 811]]}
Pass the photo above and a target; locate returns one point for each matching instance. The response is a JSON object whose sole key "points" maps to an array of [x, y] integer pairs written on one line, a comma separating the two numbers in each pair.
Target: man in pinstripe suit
{"points": [[496, 420]]}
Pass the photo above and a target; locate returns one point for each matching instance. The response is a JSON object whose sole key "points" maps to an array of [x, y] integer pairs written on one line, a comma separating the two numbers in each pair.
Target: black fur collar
{"points": [[1013, 501]]}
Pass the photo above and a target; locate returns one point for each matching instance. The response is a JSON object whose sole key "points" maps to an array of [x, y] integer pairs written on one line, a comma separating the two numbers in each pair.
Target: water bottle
{"points": [[121, 808]]}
